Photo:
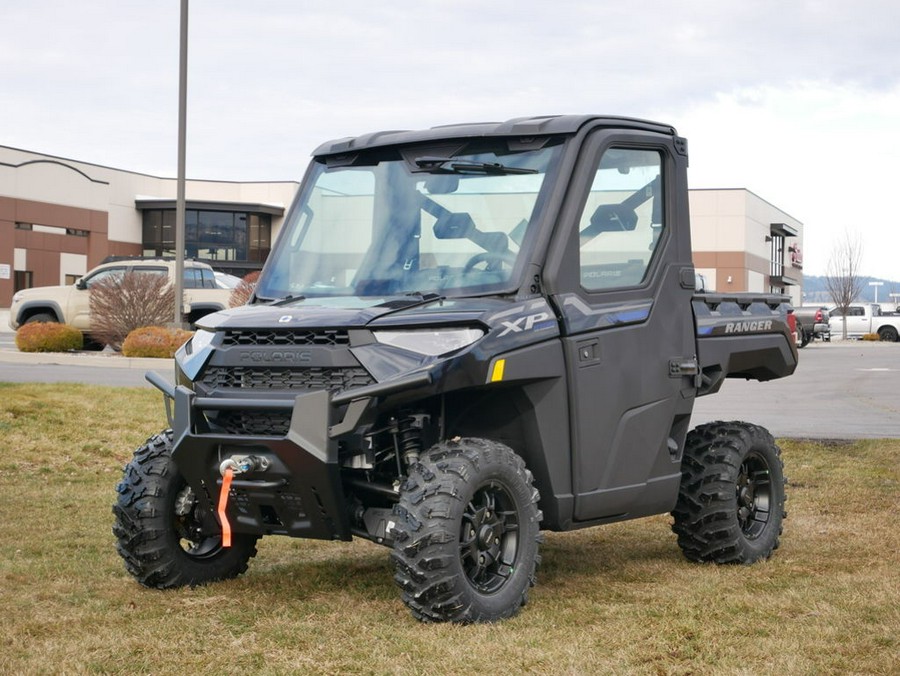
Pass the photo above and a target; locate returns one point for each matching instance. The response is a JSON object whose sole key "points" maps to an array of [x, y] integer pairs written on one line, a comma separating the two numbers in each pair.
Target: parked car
{"points": [[226, 281], [812, 324], [865, 318], [71, 304]]}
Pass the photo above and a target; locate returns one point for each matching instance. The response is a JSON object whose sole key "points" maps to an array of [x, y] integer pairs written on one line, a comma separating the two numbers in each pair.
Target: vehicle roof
{"points": [[519, 126], [141, 260]]}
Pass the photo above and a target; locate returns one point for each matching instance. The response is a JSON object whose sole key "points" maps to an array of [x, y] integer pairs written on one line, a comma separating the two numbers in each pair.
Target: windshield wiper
{"points": [[412, 299], [427, 296], [287, 299], [449, 165]]}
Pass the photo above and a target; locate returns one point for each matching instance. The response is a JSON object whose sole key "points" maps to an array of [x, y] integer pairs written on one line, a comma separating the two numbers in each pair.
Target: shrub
{"points": [[48, 337], [241, 293], [121, 304], [871, 336], [154, 341]]}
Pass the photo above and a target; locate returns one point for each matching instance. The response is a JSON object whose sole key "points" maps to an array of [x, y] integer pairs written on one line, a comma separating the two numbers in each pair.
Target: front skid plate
{"points": [[299, 494]]}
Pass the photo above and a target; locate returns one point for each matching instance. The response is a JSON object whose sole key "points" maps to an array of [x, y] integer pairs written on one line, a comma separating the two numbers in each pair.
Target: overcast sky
{"points": [[797, 101]]}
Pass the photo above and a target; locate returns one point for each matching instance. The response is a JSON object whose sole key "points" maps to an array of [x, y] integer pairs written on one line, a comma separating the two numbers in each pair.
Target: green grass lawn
{"points": [[615, 599]]}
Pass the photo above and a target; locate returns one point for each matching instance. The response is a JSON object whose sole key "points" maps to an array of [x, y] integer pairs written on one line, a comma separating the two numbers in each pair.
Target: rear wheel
{"points": [[888, 334], [467, 533], [159, 525], [730, 505]]}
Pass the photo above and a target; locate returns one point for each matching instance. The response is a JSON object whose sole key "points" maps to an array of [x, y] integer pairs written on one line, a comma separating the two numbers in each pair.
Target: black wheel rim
{"points": [[489, 538], [754, 495], [188, 532]]}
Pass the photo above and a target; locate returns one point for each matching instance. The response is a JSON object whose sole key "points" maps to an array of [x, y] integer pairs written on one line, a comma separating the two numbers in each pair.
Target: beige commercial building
{"points": [[61, 217], [743, 243]]}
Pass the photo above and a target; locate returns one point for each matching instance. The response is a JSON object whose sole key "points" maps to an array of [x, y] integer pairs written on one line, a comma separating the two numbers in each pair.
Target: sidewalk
{"points": [[13, 356]]}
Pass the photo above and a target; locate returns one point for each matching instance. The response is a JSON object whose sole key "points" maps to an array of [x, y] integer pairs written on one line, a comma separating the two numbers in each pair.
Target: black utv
{"points": [[462, 336]]}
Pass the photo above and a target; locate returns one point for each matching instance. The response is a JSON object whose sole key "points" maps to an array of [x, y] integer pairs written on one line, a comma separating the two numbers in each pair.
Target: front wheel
{"points": [[159, 525], [466, 533], [730, 505], [41, 318]]}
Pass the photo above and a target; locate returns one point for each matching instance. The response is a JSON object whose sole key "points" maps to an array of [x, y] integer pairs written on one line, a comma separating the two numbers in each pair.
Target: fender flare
{"points": [[31, 307]]}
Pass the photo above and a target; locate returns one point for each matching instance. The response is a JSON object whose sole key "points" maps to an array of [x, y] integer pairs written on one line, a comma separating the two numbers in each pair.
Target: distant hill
{"points": [[815, 291]]}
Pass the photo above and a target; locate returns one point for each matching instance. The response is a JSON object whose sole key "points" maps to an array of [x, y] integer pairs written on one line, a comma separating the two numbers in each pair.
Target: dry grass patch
{"points": [[616, 599]]}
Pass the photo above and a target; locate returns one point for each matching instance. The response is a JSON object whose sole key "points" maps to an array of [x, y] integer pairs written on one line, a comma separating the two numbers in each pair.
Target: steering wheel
{"points": [[494, 260]]}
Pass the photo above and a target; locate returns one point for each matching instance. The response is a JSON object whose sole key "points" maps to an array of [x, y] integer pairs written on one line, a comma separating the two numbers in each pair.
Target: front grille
{"points": [[253, 338], [255, 423], [342, 373], [309, 378]]}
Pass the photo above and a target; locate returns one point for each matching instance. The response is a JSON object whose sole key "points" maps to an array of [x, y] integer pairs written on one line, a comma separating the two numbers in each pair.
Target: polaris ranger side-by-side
{"points": [[462, 336]]}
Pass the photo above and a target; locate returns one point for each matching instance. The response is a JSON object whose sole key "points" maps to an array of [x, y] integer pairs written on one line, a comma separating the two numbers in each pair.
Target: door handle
{"points": [[588, 352]]}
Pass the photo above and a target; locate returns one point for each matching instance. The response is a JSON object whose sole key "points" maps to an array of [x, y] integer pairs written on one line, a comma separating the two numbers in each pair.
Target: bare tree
{"points": [[120, 304], [842, 276]]}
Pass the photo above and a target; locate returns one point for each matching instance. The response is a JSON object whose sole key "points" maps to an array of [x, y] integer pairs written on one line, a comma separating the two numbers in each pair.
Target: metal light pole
{"points": [[876, 285], [179, 199]]}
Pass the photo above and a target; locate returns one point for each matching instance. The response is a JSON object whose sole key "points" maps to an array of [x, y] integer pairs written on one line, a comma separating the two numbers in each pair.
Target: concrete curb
{"points": [[13, 356], [10, 355]]}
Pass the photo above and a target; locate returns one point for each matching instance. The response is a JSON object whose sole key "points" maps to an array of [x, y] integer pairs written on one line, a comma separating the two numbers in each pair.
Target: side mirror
{"points": [[80, 284]]}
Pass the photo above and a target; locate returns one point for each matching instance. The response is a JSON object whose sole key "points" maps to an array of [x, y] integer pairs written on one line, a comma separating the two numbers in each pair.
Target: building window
{"points": [[23, 280], [777, 256], [51, 229], [260, 241], [215, 236]]}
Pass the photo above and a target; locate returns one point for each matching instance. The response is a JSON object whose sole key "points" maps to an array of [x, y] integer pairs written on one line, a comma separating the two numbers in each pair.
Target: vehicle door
{"points": [[623, 286], [79, 301], [856, 320], [152, 274]]}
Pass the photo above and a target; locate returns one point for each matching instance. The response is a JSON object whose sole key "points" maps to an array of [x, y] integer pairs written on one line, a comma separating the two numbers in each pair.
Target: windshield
{"points": [[410, 221]]}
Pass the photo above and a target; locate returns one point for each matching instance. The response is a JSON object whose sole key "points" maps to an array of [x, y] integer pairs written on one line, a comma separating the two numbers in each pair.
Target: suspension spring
{"points": [[409, 439]]}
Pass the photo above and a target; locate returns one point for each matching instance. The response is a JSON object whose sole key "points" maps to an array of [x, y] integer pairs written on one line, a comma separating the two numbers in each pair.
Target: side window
{"points": [[156, 272], [106, 273], [622, 221], [207, 279], [191, 279]]}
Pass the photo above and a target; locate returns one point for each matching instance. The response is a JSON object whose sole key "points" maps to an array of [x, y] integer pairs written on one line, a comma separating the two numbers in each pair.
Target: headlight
{"points": [[191, 358], [432, 343], [201, 339], [17, 296]]}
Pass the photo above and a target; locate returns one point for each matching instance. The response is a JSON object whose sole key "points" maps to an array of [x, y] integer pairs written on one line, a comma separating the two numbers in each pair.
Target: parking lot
{"points": [[841, 389]]}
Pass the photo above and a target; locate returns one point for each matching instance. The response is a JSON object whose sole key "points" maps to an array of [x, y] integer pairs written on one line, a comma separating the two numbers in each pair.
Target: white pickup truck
{"points": [[865, 318], [71, 304]]}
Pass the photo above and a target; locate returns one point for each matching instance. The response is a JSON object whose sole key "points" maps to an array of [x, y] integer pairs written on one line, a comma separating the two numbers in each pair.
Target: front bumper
{"points": [[299, 493]]}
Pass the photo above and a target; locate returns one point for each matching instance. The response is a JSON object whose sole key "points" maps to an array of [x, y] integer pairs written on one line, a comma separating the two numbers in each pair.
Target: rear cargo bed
{"points": [[742, 336]]}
